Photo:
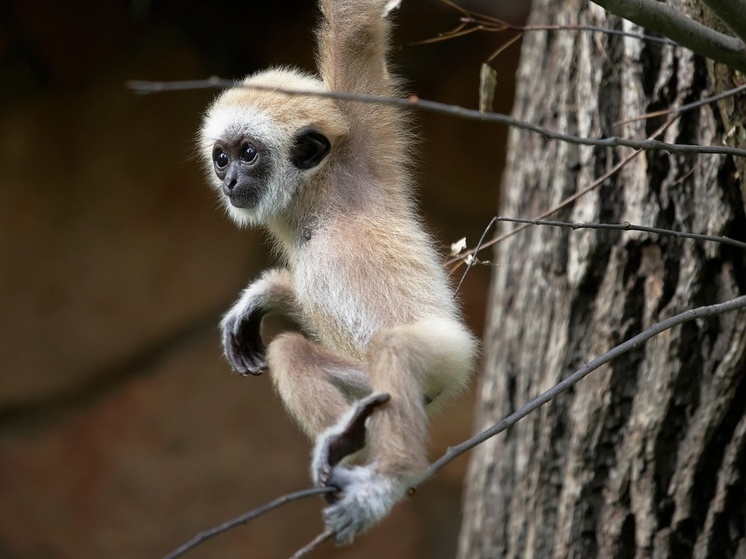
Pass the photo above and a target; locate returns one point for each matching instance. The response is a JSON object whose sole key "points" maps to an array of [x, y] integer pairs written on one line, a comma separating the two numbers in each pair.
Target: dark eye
{"points": [[249, 153], [220, 158]]}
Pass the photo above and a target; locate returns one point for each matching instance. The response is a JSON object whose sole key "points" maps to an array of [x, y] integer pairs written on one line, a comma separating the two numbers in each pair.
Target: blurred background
{"points": [[122, 431]]}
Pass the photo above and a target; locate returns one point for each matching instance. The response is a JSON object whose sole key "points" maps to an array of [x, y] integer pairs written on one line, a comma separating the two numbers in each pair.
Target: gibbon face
{"points": [[261, 147], [244, 164]]}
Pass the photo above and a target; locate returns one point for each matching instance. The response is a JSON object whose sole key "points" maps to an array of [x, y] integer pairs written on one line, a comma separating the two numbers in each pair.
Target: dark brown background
{"points": [[122, 432]]}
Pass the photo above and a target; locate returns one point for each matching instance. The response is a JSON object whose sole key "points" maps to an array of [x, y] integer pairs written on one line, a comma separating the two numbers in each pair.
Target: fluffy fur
{"points": [[330, 180]]}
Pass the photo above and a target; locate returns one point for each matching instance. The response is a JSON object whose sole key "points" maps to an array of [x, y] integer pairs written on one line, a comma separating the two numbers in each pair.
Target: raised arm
{"points": [[353, 44]]}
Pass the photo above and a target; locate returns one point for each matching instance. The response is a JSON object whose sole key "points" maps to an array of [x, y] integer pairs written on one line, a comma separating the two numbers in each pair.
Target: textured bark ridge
{"points": [[647, 456]]}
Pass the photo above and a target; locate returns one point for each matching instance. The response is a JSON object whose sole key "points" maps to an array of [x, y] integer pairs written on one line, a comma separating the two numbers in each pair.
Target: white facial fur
{"points": [[223, 122], [242, 112]]}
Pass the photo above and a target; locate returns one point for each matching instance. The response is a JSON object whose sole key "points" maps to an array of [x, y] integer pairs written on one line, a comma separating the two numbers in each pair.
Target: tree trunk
{"points": [[646, 457]]}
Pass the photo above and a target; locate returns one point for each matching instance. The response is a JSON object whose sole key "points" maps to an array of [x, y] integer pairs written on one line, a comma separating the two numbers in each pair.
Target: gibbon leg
{"points": [[316, 386], [420, 365], [409, 366]]}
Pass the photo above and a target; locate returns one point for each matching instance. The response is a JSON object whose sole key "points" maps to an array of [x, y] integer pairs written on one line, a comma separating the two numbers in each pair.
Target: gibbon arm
{"points": [[271, 293], [353, 43]]}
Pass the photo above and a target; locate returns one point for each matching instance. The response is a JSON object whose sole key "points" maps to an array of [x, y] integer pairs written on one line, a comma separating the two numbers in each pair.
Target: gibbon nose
{"points": [[230, 182]]}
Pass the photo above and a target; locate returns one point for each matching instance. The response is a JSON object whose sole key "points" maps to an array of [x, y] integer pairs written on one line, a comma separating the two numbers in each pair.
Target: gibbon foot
{"points": [[343, 439], [365, 497]]}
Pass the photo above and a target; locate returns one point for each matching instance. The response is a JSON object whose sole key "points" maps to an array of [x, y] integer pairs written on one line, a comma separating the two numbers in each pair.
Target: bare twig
{"points": [[456, 261], [313, 544], [667, 21], [443, 108], [626, 226], [462, 30], [707, 100], [632, 343], [491, 24], [244, 518], [503, 47], [477, 248], [595, 29], [688, 107]]}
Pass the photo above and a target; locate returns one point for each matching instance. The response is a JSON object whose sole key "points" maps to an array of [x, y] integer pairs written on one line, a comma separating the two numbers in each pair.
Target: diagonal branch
{"points": [[313, 544], [580, 374], [245, 518], [456, 261], [667, 21], [469, 444]]}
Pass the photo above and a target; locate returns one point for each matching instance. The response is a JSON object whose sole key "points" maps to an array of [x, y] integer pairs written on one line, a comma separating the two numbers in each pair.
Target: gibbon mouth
{"points": [[243, 195], [244, 200]]}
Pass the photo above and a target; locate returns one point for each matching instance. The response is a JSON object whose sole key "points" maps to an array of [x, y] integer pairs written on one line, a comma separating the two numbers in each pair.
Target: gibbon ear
{"points": [[309, 149]]}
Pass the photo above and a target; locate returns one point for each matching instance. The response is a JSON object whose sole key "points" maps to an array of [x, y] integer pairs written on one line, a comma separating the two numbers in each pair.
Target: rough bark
{"points": [[647, 456]]}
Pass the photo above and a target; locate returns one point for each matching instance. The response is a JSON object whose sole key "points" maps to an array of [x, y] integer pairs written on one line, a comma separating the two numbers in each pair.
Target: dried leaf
{"points": [[458, 246], [391, 5], [487, 84]]}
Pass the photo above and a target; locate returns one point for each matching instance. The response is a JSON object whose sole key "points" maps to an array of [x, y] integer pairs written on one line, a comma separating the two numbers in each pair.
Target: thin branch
{"points": [[313, 544], [455, 262], [667, 21], [462, 30], [688, 107], [442, 108], [503, 47], [595, 29], [244, 518], [707, 100], [629, 345], [491, 24], [626, 226], [477, 248]]}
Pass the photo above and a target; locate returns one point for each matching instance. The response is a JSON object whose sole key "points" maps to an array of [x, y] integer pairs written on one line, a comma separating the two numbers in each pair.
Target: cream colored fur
{"points": [[362, 276]]}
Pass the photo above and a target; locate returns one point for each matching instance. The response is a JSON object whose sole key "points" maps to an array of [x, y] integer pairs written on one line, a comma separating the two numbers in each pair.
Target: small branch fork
{"points": [[313, 544], [469, 256], [455, 261], [472, 22]]}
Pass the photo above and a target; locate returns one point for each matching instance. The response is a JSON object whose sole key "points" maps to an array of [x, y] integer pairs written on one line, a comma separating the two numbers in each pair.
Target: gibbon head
{"points": [[262, 147]]}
